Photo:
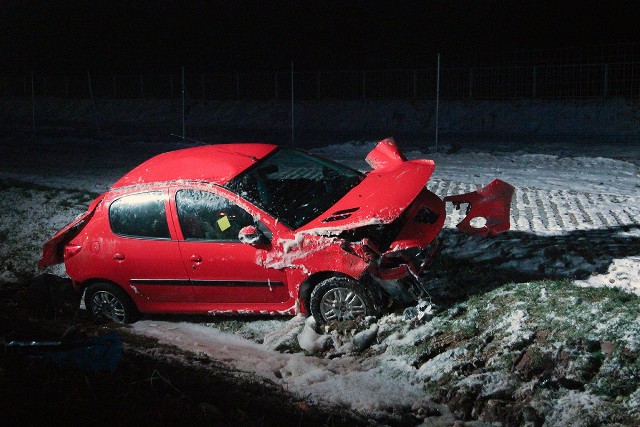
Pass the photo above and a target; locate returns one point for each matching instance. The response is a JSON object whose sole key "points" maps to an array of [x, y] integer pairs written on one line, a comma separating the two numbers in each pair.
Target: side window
{"points": [[207, 216], [140, 215]]}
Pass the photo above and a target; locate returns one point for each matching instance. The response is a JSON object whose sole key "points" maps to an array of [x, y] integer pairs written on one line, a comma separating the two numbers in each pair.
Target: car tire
{"points": [[108, 301], [340, 298]]}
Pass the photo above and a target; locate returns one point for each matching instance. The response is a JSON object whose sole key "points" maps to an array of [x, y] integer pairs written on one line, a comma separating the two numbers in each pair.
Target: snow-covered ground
{"points": [[573, 217]]}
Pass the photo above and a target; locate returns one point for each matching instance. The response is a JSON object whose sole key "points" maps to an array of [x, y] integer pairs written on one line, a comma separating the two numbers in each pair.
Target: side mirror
{"points": [[252, 236]]}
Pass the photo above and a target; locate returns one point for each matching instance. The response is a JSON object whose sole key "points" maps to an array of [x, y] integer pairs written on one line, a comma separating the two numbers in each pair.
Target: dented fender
{"points": [[311, 254], [488, 209]]}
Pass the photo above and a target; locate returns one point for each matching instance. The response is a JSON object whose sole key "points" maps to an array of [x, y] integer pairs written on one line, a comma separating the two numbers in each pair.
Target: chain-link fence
{"points": [[582, 81], [564, 74]]}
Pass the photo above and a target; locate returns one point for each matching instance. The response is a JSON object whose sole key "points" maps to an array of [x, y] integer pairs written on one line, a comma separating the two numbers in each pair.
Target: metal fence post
{"points": [[33, 104], [292, 109], [437, 99], [364, 86], [183, 107], [605, 89], [93, 103]]}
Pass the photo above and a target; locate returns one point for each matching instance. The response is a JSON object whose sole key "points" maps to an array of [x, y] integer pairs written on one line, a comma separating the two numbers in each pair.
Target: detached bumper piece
{"points": [[488, 209]]}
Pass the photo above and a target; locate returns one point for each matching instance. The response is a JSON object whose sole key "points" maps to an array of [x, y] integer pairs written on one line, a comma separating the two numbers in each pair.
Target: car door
{"points": [[221, 268], [143, 255]]}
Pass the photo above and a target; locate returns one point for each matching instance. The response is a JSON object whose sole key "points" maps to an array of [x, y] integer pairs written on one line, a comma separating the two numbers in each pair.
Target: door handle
{"points": [[196, 258], [118, 256]]}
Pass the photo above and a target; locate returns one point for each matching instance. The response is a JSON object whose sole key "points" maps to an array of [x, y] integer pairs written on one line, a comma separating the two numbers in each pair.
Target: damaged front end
{"points": [[399, 251]]}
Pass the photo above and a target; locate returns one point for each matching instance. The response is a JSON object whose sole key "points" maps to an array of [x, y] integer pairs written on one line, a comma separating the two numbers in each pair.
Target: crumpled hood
{"points": [[383, 194]]}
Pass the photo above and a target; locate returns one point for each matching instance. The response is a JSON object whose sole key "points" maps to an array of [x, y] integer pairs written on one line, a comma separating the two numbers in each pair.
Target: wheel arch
{"points": [[312, 281], [128, 303], [84, 285]]}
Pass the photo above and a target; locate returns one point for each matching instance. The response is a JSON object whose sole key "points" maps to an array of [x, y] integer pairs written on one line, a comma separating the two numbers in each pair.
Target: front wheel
{"points": [[106, 300], [340, 298]]}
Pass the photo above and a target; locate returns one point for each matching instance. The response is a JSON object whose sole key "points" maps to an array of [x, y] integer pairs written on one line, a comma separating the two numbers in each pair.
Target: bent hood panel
{"points": [[379, 199]]}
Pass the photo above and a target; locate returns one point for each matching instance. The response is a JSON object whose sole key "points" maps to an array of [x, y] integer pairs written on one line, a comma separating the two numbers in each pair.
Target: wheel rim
{"points": [[106, 304], [341, 304]]}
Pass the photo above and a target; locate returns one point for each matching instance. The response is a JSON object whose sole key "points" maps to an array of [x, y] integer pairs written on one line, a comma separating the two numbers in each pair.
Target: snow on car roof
{"points": [[212, 163]]}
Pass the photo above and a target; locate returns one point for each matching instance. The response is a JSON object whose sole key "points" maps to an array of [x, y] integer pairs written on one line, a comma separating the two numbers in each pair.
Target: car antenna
{"points": [[255, 159], [184, 138]]}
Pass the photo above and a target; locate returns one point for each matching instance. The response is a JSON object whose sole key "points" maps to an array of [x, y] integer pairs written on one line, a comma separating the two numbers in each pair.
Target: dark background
{"points": [[237, 35]]}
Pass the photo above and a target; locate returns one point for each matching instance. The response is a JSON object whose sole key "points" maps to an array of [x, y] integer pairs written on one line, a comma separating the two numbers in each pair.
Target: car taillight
{"points": [[71, 250]]}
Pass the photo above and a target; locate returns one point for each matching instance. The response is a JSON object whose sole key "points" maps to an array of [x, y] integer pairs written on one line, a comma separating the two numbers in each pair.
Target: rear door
{"points": [[144, 255], [221, 268]]}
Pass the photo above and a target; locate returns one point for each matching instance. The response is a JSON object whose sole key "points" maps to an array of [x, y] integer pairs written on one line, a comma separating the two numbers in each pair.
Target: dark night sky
{"points": [[147, 35]]}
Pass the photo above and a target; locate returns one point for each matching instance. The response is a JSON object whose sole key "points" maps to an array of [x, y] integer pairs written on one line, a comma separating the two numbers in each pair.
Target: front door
{"points": [[221, 268]]}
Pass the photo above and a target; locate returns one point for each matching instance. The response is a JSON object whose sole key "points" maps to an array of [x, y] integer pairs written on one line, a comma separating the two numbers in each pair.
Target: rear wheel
{"points": [[340, 298], [106, 300]]}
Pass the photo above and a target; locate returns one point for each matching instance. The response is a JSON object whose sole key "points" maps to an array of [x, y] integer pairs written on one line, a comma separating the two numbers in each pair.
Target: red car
{"points": [[262, 229]]}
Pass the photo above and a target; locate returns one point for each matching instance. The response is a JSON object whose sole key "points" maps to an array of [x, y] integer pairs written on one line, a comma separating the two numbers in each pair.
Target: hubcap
{"points": [[107, 305], [341, 304]]}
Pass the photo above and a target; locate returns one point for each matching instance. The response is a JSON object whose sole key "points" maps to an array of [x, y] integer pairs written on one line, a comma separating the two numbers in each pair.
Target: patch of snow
{"points": [[444, 363], [622, 273], [343, 381], [491, 383], [310, 340], [575, 409]]}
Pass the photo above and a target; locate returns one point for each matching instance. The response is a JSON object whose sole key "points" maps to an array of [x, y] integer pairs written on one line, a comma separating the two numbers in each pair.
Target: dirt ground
{"points": [[152, 385]]}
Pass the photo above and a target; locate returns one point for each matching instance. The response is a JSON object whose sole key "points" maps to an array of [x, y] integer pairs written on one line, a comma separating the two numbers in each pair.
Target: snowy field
{"points": [[574, 218]]}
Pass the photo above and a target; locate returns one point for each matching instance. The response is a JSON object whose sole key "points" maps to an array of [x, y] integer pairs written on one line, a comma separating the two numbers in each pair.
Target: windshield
{"points": [[295, 187]]}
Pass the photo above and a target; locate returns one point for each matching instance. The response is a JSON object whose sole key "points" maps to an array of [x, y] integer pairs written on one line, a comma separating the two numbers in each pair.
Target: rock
{"points": [[363, 340], [501, 411], [462, 401], [531, 417], [607, 348], [534, 363]]}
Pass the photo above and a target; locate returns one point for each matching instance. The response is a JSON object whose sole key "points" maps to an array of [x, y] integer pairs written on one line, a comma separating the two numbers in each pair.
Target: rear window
{"points": [[140, 215]]}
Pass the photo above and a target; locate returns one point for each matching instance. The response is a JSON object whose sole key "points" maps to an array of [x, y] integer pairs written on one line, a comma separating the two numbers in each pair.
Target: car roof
{"points": [[211, 163]]}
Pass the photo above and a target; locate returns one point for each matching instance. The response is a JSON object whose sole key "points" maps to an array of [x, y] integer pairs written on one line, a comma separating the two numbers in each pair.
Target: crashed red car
{"points": [[262, 229]]}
